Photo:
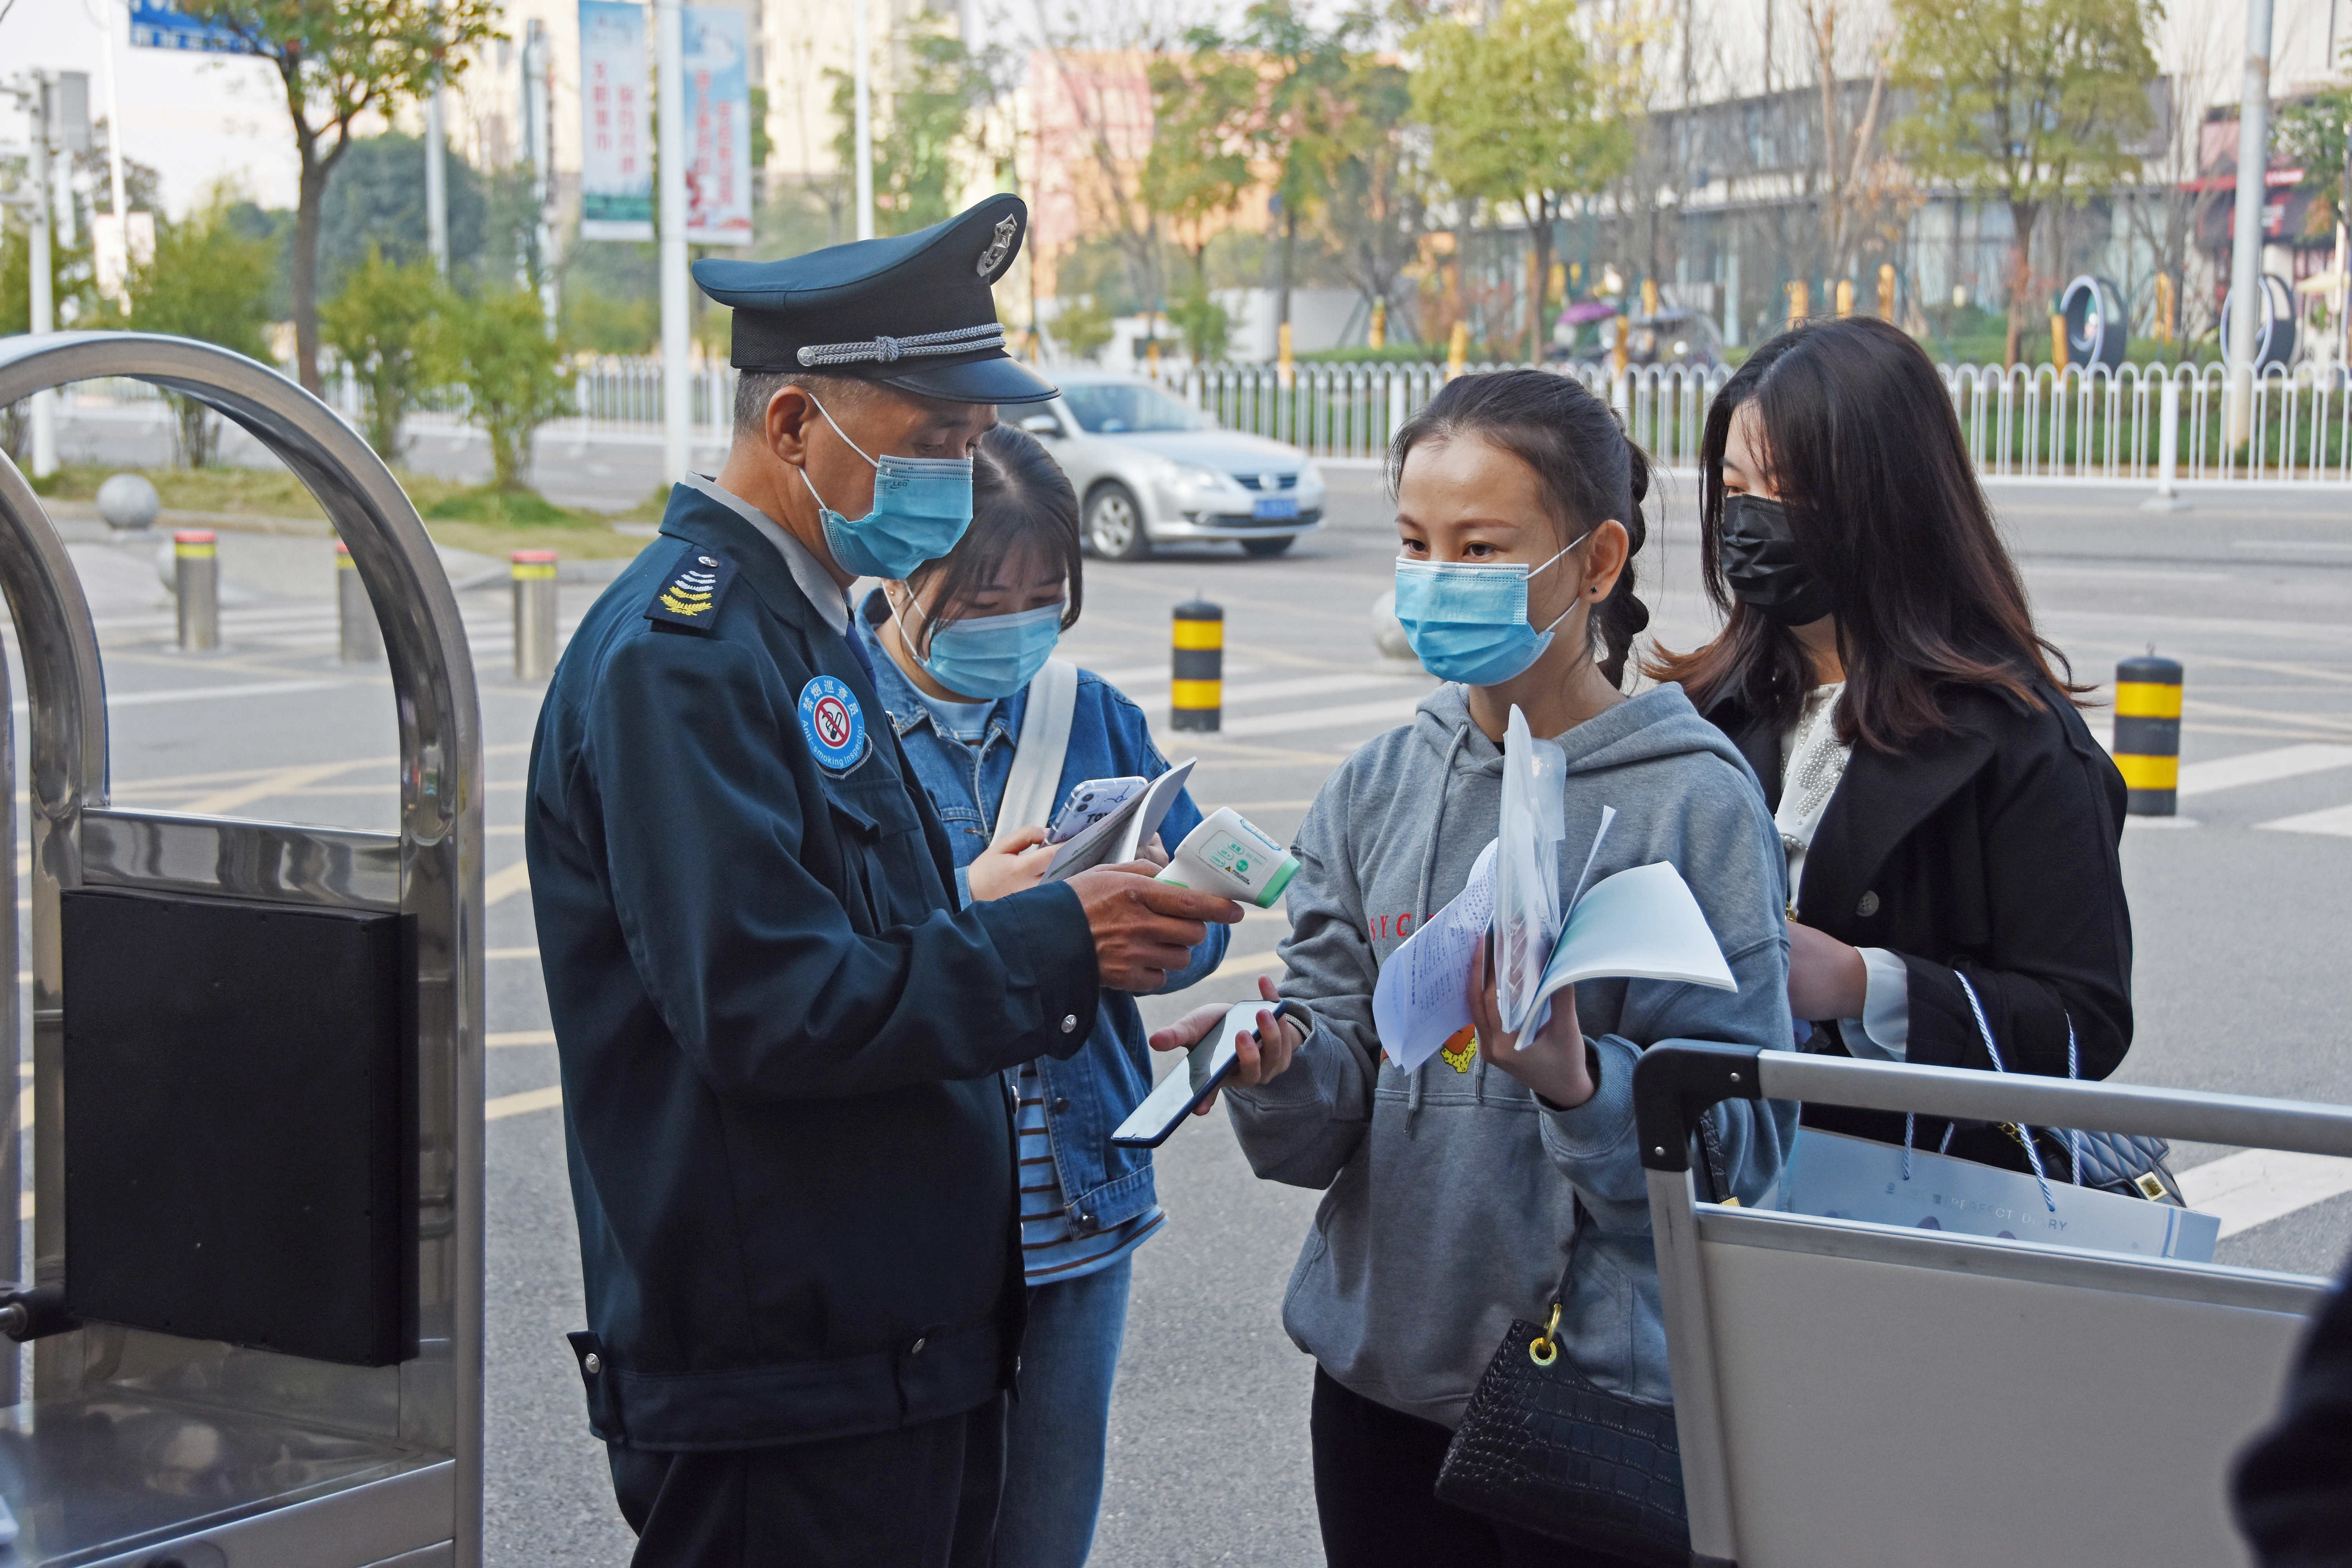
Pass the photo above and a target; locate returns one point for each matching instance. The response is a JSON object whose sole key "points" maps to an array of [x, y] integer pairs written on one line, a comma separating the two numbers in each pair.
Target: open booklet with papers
{"points": [[1640, 925]]}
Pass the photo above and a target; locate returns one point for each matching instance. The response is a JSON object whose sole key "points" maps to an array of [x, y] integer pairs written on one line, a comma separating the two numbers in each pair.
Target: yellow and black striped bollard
{"points": [[1196, 691], [2147, 733]]}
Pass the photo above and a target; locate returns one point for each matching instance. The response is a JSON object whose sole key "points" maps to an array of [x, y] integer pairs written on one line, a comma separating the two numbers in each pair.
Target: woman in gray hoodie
{"points": [[1452, 1193]]}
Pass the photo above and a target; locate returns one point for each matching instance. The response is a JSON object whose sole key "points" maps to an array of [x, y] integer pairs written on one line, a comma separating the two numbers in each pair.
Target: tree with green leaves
{"points": [[1375, 174], [1203, 108], [931, 103], [385, 323], [1520, 117], [512, 371], [210, 282], [336, 61], [1203, 324], [1302, 104], [2026, 102], [1082, 328], [2312, 132]]}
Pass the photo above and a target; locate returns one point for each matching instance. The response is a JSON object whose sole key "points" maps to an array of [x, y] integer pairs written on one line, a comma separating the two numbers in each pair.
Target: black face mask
{"points": [[1759, 563]]}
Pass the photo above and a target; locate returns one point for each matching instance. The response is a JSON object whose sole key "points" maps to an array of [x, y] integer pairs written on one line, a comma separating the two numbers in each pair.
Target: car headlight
{"points": [[1311, 478]]}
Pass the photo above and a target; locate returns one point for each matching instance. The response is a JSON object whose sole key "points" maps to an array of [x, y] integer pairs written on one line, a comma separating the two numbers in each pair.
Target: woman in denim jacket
{"points": [[953, 649]]}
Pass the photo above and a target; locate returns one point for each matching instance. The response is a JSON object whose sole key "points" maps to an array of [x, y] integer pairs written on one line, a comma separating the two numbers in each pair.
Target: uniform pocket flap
{"points": [[876, 807]]}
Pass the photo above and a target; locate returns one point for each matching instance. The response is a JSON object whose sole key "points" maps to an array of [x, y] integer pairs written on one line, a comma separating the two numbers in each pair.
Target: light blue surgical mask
{"points": [[922, 507], [1467, 621], [990, 655]]}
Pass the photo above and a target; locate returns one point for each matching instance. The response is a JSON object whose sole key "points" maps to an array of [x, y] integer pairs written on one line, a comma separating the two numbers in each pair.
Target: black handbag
{"points": [[2128, 1164], [1546, 1449]]}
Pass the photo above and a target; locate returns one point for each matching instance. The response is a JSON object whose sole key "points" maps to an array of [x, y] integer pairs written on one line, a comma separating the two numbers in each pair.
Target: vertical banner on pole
{"points": [[718, 126], [617, 140]]}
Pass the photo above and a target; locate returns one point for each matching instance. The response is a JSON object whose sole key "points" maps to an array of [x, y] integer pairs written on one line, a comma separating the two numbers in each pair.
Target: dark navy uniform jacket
{"points": [[792, 1154]]}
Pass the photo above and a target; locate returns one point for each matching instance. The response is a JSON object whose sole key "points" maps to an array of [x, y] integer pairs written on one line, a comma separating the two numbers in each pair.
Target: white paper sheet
{"points": [[1421, 998]]}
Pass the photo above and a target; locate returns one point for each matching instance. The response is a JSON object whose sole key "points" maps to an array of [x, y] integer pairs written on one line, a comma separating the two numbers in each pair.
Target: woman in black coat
{"points": [[1951, 825]]}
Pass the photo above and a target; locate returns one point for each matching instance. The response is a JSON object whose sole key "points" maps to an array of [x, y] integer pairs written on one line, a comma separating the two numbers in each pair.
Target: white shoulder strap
{"points": [[1037, 777]]}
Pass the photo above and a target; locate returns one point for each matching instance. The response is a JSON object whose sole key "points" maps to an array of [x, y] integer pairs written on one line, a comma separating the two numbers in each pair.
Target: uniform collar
{"points": [[816, 585]]}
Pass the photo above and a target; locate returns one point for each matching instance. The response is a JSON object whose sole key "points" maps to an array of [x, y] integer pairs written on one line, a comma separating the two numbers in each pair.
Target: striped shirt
{"points": [[1050, 1249]]}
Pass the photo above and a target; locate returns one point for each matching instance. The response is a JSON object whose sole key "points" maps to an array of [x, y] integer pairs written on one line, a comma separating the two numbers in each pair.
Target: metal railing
{"points": [[2026, 422]]}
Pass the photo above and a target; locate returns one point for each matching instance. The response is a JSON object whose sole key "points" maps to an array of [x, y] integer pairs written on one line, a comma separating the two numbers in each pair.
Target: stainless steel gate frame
{"points": [[132, 1442], [1850, 1396]]}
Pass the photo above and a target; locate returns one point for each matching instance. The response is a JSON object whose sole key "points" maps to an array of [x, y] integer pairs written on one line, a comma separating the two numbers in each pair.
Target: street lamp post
{"points": [[862, 76], [2248, 305], [670, 138]]}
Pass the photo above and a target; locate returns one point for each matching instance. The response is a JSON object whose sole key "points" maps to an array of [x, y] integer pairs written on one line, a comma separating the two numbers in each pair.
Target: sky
{"points": [[197, 119]]}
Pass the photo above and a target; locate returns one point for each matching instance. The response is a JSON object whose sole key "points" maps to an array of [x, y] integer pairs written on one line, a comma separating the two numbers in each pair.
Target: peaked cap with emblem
{"points": [[914, 311]]}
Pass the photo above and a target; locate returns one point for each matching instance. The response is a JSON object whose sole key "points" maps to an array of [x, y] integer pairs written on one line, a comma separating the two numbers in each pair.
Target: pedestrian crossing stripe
{"points": [[691, 591]]}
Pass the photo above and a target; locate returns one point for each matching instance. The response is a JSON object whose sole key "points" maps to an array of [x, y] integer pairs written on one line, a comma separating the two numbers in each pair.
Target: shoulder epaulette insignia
{"points": [[689, 594]]}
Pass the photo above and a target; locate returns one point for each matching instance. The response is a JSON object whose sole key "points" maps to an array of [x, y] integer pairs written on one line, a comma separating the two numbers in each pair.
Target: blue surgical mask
{"points": [[1467, 621], [922, 507], [990, 656]]}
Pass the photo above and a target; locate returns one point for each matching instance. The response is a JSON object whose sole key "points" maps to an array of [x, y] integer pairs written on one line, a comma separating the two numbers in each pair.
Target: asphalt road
{"points": [[2241, 919]]}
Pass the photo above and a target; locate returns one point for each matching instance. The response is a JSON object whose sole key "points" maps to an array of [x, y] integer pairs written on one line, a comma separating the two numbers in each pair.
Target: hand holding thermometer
{"points": [[1229, 856]]}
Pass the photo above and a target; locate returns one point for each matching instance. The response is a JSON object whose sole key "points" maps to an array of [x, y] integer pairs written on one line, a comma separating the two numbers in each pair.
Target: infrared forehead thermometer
{"points": [[1230, 855]]}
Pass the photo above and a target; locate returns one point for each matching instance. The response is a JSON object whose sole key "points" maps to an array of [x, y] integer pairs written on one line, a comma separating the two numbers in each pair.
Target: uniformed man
{"points": [[790, 1148]]}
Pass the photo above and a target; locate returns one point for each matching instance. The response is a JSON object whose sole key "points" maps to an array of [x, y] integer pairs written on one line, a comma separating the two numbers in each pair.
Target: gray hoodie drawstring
{"points": [[1428, 873]]}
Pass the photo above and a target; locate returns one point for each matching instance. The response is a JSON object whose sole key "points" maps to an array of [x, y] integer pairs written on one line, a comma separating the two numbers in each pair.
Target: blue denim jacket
{"points": [[1093, 1091]]}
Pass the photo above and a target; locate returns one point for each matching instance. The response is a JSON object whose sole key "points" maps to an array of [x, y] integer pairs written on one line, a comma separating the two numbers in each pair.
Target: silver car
{"points": [[1151, 470]]}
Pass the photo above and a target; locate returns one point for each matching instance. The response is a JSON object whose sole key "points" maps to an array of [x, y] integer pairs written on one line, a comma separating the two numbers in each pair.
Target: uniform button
{"points": [[1069, 1022], [591, 1364], [1868, 907], [1061, 1102], [917, 1348]]}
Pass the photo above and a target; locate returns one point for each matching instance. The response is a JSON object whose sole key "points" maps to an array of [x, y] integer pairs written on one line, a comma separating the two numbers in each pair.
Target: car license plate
{"points": [[1274, 508]]}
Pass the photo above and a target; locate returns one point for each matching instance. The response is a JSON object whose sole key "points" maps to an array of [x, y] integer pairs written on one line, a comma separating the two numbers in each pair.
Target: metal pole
{"points": [[361, 641], [114, 136], [861, 76], [43, 312], [2248, 305], [670, 138], [2168, 450], [436, 183], [195, 562], [534, 613], [535, 55]]}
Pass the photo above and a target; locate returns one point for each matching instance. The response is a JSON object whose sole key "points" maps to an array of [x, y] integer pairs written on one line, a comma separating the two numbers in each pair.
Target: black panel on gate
{"points": [[240, 1124]]}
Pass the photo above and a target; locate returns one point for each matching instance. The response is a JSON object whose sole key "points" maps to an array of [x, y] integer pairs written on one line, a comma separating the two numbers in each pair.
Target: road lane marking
{"points": [[521, 1037], [206, 693], [1385, 712], [500, 1107], [2259, 1186], [284, 781], [1304, 686], [2262, 767], [499, 886], [2336, 821], [1265, 962]]}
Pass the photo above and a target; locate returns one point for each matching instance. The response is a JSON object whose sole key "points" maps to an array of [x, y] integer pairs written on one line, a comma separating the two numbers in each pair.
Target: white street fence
{"points": [[2093, 425]]}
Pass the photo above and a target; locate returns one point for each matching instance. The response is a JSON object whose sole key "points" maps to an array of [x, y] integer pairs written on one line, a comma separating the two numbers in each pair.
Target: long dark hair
{"points": [[1589, 471], [1020, 501], [1864, 452]]}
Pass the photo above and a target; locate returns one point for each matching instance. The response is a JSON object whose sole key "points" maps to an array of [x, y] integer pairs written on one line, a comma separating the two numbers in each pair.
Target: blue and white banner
{"points": [[159, 25], [718, 126], [617, 140]]}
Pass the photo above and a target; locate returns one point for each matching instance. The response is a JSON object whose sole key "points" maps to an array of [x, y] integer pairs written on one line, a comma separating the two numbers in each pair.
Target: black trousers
{"points": [[923, 1497], [1375, 1469]]}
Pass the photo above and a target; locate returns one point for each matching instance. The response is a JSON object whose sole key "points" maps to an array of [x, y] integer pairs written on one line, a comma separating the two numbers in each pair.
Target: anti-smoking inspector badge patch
{"points": [[834, 723], [690, 595]]}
